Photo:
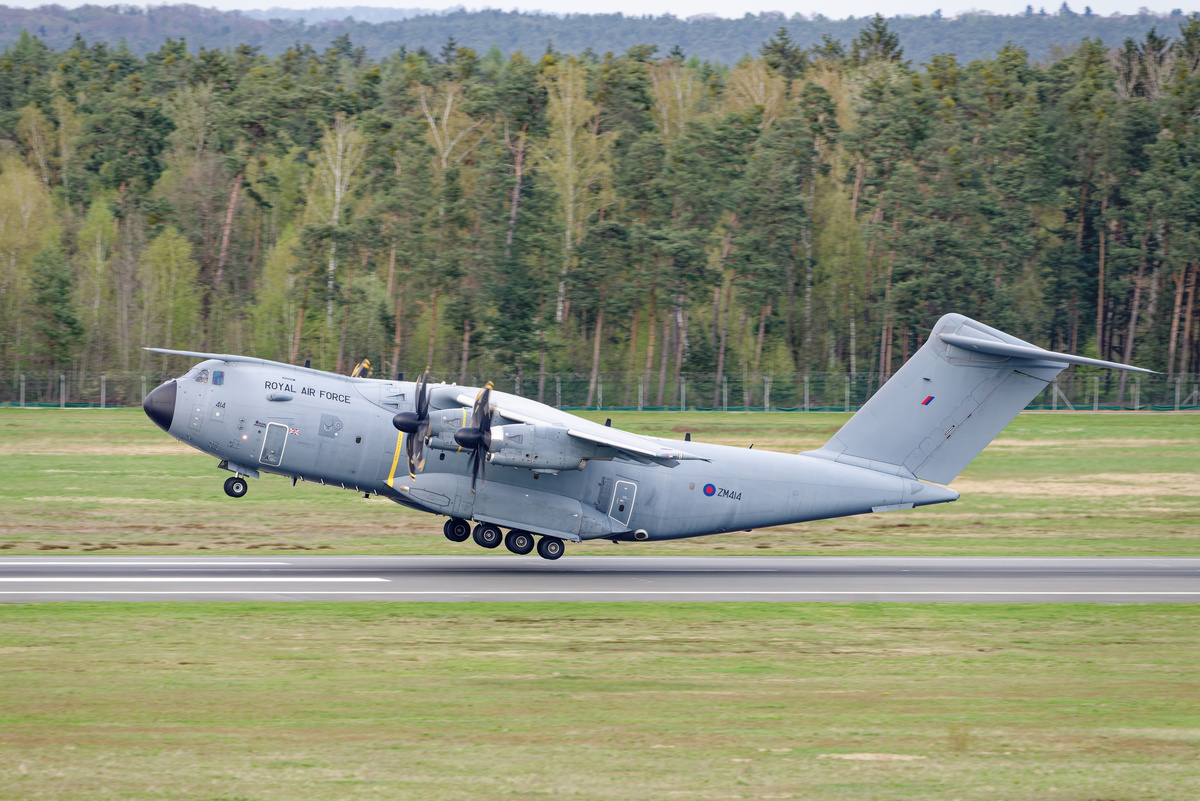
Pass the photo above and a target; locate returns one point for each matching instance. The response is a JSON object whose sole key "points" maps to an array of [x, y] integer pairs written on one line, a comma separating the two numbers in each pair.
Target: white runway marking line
{"points": [[186, 579], [61, 563], [464, 593]]}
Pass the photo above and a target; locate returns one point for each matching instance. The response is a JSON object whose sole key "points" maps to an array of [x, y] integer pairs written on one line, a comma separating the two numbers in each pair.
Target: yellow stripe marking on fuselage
{"points": [[396, 459]]}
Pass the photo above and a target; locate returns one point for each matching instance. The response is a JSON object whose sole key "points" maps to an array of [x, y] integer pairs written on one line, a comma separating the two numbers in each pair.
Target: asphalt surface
{"points": [[503, 577]]}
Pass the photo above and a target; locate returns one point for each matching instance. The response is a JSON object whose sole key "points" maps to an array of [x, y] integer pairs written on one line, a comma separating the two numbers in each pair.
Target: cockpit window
{"points": [[218, 377], [201, 377]]}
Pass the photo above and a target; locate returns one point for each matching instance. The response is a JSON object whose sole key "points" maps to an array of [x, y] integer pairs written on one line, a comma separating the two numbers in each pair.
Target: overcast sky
{"points": [[723, 8]]}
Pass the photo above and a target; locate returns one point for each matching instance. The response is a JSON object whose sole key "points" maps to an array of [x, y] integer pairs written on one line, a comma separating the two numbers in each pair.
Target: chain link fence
{"points": [[784, 392]]}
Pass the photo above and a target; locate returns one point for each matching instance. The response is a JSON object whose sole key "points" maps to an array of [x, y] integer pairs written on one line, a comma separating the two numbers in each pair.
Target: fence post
{"points": [[1137, 394], [806, 392], [599, 394], [1054, 397], [558, 391], [767, 393], [22, 392], [725, 394], [103, 390], [62, 391], [1178, 384], [683, 394], [846, 408], [641, 390], [143, 389], [1096, 393]]}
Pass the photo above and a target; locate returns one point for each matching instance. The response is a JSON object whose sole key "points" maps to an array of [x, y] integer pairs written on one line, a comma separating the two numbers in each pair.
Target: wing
{"points": [[635, 446], [195, 354]]}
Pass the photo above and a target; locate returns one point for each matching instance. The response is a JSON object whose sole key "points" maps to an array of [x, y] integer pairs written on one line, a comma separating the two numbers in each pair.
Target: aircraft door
{"points": [[273, 444], [624, 494]]}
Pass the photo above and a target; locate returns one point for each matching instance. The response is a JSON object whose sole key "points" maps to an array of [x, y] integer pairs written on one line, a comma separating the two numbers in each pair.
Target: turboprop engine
{"points": [[536, 447], [542, 447]]}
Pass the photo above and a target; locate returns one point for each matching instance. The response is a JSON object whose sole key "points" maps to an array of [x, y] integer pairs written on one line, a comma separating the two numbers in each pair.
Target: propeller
{"points": [[416, 425], [478, 436]]}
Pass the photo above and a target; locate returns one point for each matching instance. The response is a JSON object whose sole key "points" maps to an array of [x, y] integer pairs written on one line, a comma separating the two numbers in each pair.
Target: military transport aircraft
{"points": [[505, 461]]}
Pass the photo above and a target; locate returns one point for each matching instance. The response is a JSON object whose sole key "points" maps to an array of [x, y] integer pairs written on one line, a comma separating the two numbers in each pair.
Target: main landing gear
{"points": [[489, 536], [550, 548], [236, 486], [456, 530], [519, 542]]}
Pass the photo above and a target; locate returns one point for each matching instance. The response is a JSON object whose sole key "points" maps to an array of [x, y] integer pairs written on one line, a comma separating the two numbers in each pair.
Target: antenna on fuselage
{"points": [[307, 362]]}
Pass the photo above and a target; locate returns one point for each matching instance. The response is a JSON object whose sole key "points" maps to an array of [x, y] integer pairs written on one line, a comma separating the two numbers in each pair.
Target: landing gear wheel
{"points": [[456, 529], [519, 542], [236, 486], [550, 548], [487, 535]]}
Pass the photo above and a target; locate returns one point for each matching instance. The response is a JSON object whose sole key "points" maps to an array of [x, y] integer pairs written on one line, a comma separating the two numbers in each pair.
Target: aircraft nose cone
{"points": [[159, 405]]}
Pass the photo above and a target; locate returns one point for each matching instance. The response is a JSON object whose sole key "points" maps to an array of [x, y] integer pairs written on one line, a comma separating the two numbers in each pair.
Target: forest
{"points": [[636, 217]]}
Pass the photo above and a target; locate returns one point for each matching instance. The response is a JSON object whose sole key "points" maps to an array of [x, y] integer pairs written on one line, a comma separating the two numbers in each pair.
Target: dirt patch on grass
{"points": [[873, 757], [1086, 442], [1098, 485], [68, 448]]}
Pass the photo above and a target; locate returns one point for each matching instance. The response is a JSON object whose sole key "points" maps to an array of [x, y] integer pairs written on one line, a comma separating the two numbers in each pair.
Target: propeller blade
{"points": [[482, 410], [477, 471], [422, 405], [416, 449]]}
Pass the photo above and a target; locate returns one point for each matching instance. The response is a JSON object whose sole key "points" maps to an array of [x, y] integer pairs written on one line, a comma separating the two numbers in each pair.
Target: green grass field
{"points": [[1106, 484], [266, 702]]}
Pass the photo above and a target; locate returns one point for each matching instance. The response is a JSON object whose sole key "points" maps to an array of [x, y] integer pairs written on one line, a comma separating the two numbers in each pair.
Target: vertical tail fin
{"points": [[941, 409]]}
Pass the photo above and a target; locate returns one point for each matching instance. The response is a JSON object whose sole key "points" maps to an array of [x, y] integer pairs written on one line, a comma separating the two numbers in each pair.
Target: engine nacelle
{"points": [[444, 424], [541, 448]]}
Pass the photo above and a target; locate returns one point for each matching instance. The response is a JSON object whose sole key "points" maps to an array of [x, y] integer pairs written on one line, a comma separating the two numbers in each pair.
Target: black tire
{"points": [[236, 486], [550, 548], [457, 530], [519, 542], [487, 535]]}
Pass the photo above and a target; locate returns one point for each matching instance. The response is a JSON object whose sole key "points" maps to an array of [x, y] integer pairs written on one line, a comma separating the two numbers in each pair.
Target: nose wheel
{"points": [[236, 486]]}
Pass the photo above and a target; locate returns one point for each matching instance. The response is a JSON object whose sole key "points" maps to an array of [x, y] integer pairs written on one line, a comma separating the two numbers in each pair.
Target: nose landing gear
{"points": [[236, 486]]}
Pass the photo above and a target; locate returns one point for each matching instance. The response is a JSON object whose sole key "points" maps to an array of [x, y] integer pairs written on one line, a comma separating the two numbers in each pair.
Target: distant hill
{"points": [[971, 36], [360, 13]]}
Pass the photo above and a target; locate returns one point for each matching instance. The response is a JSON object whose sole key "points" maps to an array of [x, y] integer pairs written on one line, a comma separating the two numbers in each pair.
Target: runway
{"points": [[503, 577]]}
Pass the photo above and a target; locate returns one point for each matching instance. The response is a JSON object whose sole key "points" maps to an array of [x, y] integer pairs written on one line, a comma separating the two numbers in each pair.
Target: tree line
{"points": [[1041, 30], [811, 209]]}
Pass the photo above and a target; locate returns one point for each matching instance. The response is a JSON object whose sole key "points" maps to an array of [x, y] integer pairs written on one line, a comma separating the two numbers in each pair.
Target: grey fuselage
{"points": [[336, 430]]}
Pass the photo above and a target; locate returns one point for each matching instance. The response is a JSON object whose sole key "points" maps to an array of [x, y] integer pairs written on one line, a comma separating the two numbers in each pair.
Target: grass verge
{"points": [[259, 702]]}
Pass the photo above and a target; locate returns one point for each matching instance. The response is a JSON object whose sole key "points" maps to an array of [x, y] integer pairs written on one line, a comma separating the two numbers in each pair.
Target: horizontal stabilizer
{"points": [[1030, 352]]}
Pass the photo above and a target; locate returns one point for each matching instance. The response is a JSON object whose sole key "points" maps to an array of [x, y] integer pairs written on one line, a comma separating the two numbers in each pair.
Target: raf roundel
{"points": [[710, 490]]}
